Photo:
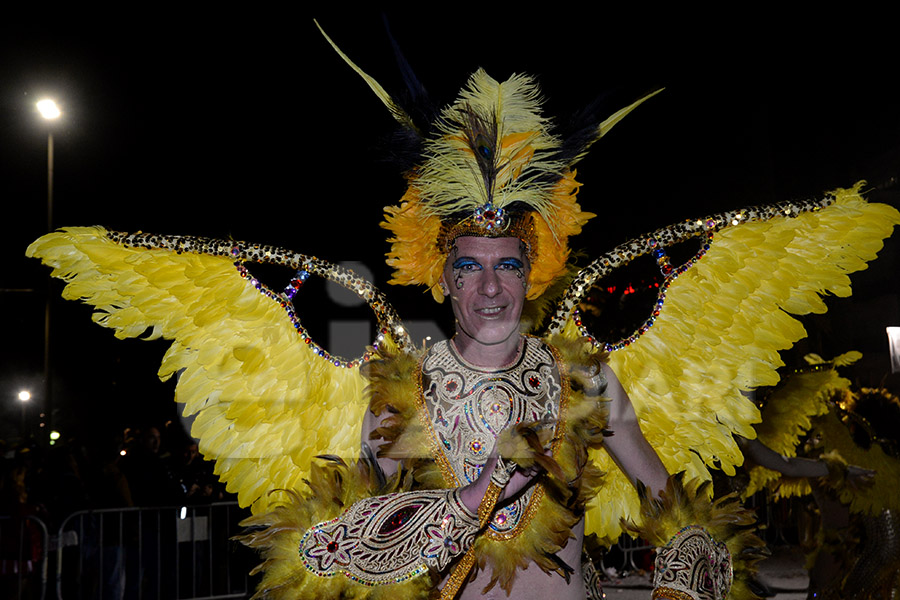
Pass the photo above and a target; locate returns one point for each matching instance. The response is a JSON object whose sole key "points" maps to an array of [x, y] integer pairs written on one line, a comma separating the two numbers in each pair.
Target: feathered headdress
{"points": [[488, 165]]}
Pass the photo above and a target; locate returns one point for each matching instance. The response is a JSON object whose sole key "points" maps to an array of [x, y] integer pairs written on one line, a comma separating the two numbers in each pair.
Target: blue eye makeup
{"points": [[510, 263], [466, 263]]}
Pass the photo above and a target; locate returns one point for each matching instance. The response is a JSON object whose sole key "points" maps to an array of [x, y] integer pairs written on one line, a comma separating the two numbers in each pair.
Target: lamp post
{"points": [[24, 397], [50, 112]]}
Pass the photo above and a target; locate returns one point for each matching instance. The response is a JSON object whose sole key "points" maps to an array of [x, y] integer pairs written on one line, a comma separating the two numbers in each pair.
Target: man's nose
{"points": [[490, 283]]}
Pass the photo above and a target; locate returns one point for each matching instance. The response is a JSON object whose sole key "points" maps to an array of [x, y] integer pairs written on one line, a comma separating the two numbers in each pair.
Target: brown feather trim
{"points": [[392, 388]]}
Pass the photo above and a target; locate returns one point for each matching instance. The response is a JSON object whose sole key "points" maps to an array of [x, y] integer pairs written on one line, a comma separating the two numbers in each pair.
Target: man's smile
{"points": [[490, 311]]}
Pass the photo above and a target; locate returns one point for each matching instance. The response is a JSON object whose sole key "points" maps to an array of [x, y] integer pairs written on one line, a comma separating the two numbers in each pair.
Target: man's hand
{"points": [[589, 378]]}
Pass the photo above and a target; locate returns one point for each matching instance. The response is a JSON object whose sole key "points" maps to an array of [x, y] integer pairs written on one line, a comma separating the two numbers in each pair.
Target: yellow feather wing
{"points": [[266, 400], [723, 321]]}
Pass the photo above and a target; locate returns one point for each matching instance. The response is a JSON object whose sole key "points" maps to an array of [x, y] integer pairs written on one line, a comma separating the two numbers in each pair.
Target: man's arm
{"points": [[792, 467], [764, 456], [627, 444]]}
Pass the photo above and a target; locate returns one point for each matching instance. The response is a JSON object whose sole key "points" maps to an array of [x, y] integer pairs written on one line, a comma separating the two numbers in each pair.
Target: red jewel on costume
{"points": [[398, 519]]}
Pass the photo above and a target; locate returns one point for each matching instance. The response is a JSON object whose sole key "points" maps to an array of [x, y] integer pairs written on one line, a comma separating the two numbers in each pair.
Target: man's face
{"points": [[487, 279], [152, 440]]}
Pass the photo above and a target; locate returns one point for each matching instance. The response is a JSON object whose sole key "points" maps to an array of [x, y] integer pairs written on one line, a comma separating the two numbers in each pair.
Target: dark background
{"points": [[246, 124]]}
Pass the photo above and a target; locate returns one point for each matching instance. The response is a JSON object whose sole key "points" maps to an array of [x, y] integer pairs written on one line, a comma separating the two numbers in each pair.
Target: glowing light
{"points": [[48, 109], [24, 395], [183, 514], [54, 435], [122, 452]]}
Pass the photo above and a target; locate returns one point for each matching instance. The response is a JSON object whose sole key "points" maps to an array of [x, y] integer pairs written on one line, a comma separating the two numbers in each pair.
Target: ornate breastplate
{"points": [[467, 408]]}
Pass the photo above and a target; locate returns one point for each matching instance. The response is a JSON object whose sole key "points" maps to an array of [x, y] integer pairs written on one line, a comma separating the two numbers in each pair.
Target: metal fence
{"points": [[178, 553], [153, 554]]}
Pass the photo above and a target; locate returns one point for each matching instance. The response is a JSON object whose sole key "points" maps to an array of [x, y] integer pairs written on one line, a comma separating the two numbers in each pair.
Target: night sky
{"points": [[247, 125]]}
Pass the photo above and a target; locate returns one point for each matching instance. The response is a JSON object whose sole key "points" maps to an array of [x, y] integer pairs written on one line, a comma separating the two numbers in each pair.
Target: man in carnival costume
{"points": [[481, 462]]}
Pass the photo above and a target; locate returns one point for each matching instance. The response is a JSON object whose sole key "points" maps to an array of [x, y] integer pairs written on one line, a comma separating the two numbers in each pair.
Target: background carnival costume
{"points": [[818, 414], [269, 400]]}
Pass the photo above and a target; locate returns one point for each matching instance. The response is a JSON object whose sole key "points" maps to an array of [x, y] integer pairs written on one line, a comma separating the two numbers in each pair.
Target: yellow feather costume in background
{"points": [[788, 415], [812, 403]]}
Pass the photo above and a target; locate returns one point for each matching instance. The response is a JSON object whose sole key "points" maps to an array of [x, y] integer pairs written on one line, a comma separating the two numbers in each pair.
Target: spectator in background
{"points": [[150, 480]]}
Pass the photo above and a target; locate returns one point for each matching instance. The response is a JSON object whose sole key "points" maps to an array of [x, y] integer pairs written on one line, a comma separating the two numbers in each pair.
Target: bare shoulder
{"points": [[613, 385]]}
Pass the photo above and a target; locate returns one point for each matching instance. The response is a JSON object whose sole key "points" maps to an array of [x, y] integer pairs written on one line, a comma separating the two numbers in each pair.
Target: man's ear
{"points": [[445, 289]]}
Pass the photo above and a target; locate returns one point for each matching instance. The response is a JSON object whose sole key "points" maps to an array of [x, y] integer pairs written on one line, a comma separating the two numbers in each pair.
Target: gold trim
{"points": [[461, 570], [459, 575], [667, 593], [450, 479], [487, 504]]}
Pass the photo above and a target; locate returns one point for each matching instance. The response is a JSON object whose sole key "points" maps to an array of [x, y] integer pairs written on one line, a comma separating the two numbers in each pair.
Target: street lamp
{"points": [[50, 112]]}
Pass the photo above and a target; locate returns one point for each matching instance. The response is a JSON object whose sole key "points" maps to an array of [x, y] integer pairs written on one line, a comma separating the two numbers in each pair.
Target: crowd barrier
{"points": [[179, 553], [185, 553]]}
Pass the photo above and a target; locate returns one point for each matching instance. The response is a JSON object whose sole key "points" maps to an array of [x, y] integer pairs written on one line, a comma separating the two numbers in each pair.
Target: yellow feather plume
{"points": [[484, 152]]}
